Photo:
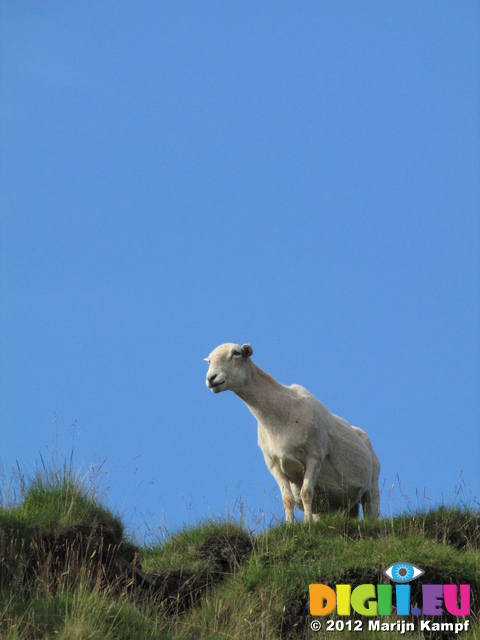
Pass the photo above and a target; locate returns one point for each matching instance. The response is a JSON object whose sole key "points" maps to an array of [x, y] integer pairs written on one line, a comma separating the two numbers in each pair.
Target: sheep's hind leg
{"points": [[371, 503], [354, 511], [371, 498]]}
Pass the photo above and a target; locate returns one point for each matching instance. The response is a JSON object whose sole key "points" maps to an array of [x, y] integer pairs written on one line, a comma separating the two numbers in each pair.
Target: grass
{"points": [[67, 570]]}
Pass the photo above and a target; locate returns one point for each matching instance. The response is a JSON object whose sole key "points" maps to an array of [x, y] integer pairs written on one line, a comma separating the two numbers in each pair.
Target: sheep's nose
{"points": [[211, 377]]}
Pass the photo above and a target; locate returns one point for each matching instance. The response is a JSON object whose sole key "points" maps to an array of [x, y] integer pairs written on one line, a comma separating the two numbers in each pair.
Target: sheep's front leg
{"points": [[284, 484], [308, 487]]}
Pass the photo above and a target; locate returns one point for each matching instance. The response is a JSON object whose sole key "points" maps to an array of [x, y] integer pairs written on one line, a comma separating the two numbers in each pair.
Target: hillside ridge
{"points": [[68, 570]]}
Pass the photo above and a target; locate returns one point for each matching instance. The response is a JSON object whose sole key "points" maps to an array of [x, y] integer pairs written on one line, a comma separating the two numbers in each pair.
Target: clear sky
{"points": [[301, 176]]}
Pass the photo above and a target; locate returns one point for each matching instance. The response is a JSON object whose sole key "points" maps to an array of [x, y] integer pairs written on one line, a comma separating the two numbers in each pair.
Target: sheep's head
{"points": [[229, 367]]}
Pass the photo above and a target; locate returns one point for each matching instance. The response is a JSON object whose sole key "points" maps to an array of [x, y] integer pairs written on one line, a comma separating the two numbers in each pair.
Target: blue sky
{"points": [[303, 177]]}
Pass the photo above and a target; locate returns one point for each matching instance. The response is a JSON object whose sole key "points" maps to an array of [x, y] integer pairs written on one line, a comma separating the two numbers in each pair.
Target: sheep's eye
{"points": [[235, 354]]}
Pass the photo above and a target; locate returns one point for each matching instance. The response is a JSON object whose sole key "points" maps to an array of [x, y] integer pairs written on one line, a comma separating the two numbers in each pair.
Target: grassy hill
{"points": [[67, 571]]}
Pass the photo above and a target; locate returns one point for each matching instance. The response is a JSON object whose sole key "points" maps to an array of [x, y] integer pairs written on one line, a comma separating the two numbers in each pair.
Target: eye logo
{"points": [[403, 572]]}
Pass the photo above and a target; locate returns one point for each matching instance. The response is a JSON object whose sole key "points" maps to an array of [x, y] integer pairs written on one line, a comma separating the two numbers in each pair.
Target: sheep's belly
{"points": [[332, 500], [335, 489], [332, 487]]}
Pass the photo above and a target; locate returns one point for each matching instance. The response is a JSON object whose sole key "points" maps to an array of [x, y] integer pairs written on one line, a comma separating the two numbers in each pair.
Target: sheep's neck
{"points": [[265, 397]]}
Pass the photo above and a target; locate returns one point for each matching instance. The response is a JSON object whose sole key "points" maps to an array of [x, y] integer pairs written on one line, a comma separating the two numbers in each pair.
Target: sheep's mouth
{"points": [[214, 385]]}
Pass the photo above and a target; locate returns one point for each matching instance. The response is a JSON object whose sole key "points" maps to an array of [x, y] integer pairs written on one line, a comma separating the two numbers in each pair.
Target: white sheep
{"points": [[319, 460]]}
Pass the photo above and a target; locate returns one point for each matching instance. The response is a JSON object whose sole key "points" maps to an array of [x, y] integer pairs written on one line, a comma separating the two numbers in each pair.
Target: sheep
{"points": [[318, 459]]}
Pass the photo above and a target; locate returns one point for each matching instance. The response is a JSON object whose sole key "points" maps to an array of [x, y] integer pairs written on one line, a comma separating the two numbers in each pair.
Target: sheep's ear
{"points": [[247, 350]]}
